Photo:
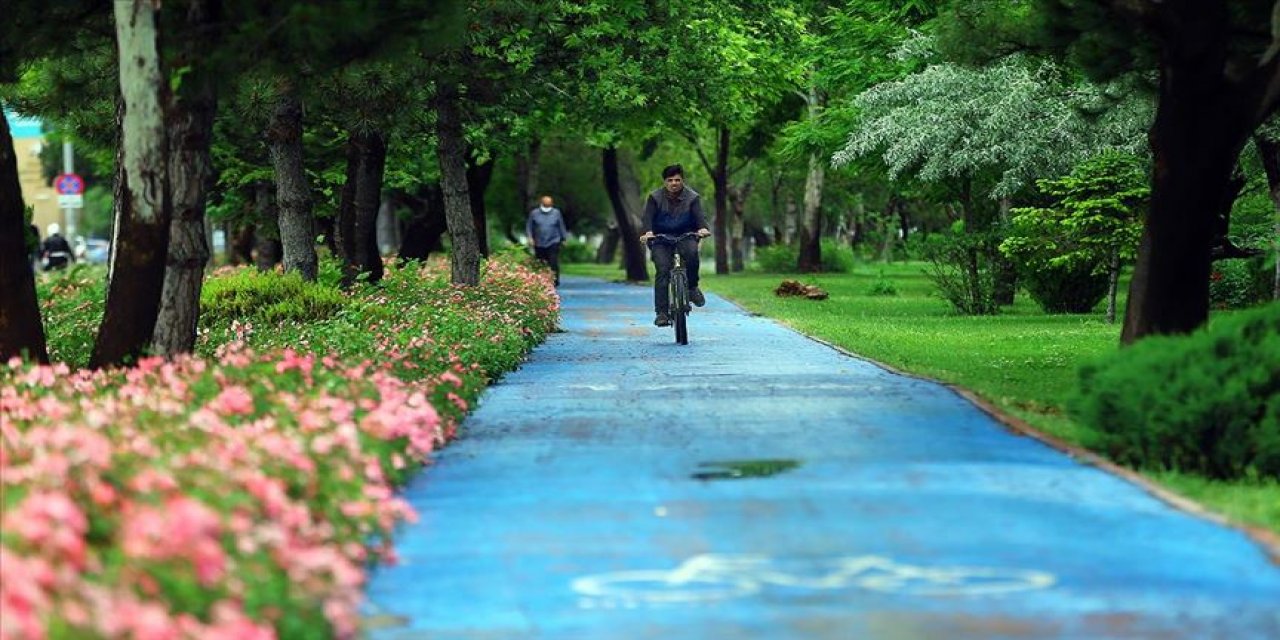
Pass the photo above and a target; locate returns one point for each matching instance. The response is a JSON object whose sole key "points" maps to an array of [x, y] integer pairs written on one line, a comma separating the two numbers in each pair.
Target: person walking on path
{"points": [[546, 232], [673, 209]]}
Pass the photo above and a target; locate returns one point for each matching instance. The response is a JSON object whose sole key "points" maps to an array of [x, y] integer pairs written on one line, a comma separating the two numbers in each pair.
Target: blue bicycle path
{"points": [[572, 506]]}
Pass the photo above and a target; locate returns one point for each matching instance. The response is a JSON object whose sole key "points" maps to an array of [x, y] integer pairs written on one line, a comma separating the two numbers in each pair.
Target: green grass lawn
{"points": [[1023, 361]]}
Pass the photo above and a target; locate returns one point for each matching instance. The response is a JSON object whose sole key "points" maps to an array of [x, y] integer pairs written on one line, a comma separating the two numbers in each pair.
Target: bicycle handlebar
{"points": [[670, 239]]}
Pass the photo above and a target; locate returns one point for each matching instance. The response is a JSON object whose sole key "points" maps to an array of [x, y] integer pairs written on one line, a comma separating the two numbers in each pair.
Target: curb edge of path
{"points": [[1264, 538]]}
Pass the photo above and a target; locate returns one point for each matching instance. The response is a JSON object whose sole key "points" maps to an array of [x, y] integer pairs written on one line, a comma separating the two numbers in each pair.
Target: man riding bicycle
{"points": [[673, 210]]}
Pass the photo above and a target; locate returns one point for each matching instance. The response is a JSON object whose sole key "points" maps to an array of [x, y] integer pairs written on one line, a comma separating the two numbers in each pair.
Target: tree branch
{"points": [[706, 163]]}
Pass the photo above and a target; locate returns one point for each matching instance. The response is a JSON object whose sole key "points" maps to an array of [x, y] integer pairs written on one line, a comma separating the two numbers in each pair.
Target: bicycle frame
{"points": [[678, 287]]}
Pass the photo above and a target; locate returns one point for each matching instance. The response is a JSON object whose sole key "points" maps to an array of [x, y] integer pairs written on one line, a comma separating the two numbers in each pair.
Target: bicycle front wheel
{"points": [[680, 305]]}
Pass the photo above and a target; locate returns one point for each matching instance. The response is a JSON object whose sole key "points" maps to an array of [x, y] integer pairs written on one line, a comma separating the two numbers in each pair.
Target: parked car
{"points": [[96, 251]]}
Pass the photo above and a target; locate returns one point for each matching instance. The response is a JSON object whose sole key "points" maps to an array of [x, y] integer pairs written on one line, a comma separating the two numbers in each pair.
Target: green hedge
{"points": [[1206, 403]]}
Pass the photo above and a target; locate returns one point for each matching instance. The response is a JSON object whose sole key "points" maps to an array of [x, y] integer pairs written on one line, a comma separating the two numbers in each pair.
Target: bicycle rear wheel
{"points": [[680, 305]]}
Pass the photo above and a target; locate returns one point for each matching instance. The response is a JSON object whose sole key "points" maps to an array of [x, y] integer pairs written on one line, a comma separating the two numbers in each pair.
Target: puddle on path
{"points": [[743, 469]]}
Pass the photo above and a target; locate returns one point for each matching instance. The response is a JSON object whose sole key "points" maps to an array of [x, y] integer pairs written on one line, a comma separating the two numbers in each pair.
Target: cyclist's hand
{"points": [[648, 235], [702, 233]]}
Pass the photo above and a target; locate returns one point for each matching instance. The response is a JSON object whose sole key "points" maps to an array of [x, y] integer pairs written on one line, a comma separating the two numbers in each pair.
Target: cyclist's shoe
{"points": [[662, 320], [696, 297]]}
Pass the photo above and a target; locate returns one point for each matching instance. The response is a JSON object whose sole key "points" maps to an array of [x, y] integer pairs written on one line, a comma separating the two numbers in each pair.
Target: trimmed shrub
{"points": [[1206, 403], [1071, 287], [249, 295]]}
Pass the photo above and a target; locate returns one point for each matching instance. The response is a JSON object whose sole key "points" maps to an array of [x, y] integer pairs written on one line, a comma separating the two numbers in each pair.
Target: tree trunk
{"points": [[738, 205], [810, 256], [528, 166], [721, 179], [21, 330], [293, 191], [1113, 286], [790, 214], [479, 175], [426, 224], [758, 236], [1269, 152], [451, 151], [190, 127], [887, 228], [356, 229], [1205, 112], [607, 252], [1195, 149], [240, 244], [268, 249], [142, 207], [904, 217], [632, 251], [1006, 275]]}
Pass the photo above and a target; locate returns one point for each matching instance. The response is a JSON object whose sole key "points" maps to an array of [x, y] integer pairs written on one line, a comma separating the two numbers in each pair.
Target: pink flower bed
{"points": [[238, 497]]}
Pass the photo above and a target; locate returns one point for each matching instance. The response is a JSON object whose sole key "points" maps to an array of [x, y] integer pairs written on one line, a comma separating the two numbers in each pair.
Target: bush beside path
{"points": [[242, 493]]}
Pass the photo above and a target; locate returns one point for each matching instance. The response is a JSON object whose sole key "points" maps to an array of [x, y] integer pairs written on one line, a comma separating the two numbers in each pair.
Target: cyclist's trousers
{"points": [[663, 258]]}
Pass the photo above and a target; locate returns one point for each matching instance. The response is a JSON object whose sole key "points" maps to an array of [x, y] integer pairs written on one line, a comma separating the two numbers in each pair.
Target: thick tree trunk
{"points": [[721, 178], [21, 330], [356, 229], [479, 174], [632, 251], [143, 209], [426, 224], [190, 127], [1205, 112], [810, 255], [451, 151], [1269, 152], [293, 191], [1195, 144]]}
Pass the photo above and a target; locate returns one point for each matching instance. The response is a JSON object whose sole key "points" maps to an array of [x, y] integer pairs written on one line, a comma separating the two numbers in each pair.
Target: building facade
{"points": [[28, 142]]}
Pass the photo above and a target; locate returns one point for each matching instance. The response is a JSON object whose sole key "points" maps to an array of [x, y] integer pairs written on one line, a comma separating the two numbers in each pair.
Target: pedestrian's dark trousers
{"points": [[663, 259], [551, 256]]}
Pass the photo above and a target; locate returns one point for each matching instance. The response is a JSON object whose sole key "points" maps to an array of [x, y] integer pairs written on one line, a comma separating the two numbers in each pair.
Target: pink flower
{"points": [[233, 400]]}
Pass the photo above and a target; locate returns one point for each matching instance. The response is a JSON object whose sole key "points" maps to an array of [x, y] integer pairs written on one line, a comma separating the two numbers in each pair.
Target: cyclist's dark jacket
{"points": [[673, 217]]}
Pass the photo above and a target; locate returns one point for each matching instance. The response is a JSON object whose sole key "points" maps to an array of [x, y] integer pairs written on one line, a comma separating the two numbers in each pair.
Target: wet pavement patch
{"points": [[743, 469]]}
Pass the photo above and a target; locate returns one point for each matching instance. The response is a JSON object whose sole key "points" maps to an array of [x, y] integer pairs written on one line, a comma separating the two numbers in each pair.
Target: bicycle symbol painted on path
{"points": [[714, 577]]}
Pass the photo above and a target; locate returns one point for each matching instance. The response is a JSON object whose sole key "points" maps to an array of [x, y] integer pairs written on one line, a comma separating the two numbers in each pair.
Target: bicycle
{"points": [[678, 287], [714, 577]]}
